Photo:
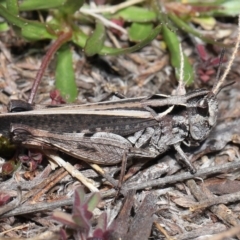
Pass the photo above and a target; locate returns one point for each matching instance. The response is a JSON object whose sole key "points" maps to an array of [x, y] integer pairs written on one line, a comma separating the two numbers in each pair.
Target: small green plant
{"points": [[64, 20], [79, 222], [65, 26]]}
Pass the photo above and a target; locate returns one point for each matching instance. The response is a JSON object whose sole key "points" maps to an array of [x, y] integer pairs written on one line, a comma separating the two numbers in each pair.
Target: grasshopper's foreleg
{"points": [[184, 158]]}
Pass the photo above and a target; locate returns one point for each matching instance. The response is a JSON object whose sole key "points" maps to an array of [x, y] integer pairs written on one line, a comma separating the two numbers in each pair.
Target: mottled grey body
{"points": [[102, 133]]}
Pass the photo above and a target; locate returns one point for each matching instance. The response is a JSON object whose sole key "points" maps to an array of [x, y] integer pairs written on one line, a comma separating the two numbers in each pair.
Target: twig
{"points": [[15, 228], [21, 199], [105, 21], [104, 174], [219, 210], [46, 206], [49, 186], [42, 185], [13, 204], [42, 236], [227, 198], [163, 231], [113, 9], [227, 234], [73, 171], [183, 176]]}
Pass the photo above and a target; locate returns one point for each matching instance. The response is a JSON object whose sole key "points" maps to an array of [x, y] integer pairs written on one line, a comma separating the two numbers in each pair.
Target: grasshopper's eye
{"points": [[202, 107], [203, 103]]}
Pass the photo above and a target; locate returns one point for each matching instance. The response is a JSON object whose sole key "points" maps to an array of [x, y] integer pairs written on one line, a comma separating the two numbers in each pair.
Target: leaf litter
{"points": [[175, 209]]}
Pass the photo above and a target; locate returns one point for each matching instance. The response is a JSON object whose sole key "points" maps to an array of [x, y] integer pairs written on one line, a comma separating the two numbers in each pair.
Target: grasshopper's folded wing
{"points": [[102, 148]]}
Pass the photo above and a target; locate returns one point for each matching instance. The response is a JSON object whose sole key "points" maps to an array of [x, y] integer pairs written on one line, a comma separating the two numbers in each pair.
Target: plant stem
{"points": [[46, 60]]}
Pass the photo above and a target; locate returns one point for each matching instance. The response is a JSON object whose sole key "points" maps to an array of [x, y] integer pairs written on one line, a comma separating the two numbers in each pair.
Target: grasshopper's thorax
{"points": [[202, 116]]}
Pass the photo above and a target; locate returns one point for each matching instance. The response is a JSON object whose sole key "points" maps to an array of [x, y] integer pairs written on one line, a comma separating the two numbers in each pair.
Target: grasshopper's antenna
{"points": [[217, 86], [219, 67], [181, 85]]}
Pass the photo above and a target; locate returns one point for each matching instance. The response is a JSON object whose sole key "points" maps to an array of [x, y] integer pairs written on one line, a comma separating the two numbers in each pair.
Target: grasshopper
{"points": [[105, 132], [101, 133]]}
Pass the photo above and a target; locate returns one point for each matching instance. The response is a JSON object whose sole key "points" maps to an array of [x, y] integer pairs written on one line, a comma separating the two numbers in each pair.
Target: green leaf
{"points": [[11, 18], [12, 7], [93, 201], [229, 8], [136, 14], [36, 31], [29, 5], [65, 79], [95, 42], [71, 6], [29, 29], [138, 31], [80, 38], [173, 43], [3, 26], [187, 28], [79, 197], [147, 40]]}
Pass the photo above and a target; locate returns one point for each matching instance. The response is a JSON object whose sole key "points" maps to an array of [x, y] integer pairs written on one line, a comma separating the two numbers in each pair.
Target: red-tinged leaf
{"points": [[81, 220], [119, 22], [9, 167], [33, 159], [35, 156], [79, 195], [56, 97], [204, 78], [102, 231], [64, 218], [202, 52], [98, 233], [87, 214], [63, 234], [4, 198], [102, 222], [216, 61]]}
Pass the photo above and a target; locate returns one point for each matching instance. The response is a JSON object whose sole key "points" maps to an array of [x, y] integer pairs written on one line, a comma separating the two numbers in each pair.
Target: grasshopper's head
{"points": [[202, 112]]}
